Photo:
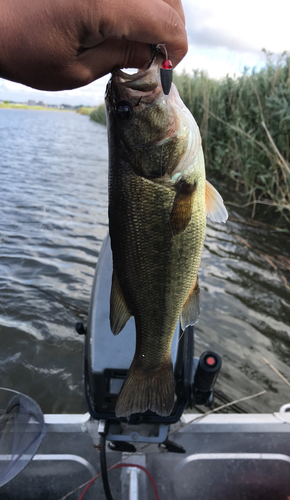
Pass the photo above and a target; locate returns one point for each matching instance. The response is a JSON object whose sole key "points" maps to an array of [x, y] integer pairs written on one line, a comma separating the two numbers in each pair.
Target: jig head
{"points": [[165, 70]]}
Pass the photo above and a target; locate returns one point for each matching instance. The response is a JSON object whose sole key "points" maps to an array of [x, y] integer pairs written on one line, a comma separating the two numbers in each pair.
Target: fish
{"points": [[159, 199]]}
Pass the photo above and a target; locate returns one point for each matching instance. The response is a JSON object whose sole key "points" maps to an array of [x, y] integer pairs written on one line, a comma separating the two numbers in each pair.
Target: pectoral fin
{"points": [[119, 312], [190, 312], [182, 207], [215, 209]]}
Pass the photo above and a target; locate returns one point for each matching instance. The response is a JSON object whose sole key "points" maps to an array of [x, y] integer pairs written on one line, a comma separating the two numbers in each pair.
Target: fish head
{"points": [[152, 132]]}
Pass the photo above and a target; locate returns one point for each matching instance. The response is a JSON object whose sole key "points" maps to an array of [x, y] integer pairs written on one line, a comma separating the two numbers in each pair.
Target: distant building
{"points": [[30, 102], [41, 103]]}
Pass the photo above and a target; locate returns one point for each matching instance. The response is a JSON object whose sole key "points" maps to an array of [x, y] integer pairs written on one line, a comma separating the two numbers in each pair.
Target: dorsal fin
{"points": [[215, 209], [119, 312]]}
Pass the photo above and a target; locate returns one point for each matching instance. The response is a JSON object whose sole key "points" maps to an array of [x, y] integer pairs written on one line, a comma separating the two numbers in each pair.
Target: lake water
{"points": [[53, 205]]}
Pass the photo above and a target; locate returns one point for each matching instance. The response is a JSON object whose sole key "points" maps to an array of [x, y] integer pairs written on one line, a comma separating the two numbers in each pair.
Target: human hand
{"points": [[57, 45]]}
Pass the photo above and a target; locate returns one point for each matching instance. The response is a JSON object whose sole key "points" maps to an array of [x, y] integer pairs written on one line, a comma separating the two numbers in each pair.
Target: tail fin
{"points": [[143, 390]]}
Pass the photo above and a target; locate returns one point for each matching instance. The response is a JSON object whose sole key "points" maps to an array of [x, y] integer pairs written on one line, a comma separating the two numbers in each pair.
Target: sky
{"points": [[224, 36]]}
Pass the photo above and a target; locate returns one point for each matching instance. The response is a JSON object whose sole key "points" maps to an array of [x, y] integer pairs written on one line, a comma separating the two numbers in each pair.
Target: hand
{"points": [[64, 44]]}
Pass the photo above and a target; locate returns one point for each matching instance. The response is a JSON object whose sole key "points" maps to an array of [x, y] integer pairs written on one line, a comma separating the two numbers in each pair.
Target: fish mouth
{"points": [[143, 81], [144, 84], [141, 89]]}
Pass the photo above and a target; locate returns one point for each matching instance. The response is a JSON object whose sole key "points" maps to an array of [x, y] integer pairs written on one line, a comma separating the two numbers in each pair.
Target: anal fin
{"points": [[190, 312], [119, 312]]}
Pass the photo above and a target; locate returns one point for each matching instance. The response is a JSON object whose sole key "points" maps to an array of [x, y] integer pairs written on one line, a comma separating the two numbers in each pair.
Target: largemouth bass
{"points": [[158, 202]]}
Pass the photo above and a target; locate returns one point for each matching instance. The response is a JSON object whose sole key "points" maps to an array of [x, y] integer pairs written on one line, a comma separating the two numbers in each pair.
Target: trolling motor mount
{"points": [[107, 360]]}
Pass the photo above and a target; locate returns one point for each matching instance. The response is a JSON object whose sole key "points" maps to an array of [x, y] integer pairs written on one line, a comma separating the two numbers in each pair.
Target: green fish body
{"points": [[158, 198]]}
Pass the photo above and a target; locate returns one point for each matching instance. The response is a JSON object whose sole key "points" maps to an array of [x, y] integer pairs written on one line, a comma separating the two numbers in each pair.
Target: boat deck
{"points": [[227, 456]]}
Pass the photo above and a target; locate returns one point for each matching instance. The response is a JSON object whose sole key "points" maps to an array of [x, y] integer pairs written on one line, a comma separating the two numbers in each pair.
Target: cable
{"points": [[117, 467], [104, 470], [146, 472], [89, 485]]}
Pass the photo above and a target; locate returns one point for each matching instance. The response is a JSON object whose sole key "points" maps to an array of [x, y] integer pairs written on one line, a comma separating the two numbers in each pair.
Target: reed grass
{"points": [[245, 129], [98, 114], [85, 110]]}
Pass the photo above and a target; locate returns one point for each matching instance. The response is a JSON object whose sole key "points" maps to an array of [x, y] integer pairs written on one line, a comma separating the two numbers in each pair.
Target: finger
{"points": [[100, 60], [150, 22], [94, 63], [177, 6]]}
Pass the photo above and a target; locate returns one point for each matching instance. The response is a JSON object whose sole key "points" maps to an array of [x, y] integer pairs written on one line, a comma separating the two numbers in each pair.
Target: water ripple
{"points": [[53, 177]]}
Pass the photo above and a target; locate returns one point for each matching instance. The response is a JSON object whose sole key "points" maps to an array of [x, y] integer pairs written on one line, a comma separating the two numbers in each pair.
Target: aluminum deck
{"points": [[228, 456]]}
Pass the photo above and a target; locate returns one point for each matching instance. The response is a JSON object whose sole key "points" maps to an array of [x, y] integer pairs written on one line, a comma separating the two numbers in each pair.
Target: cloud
{"points": [[219, 62], [226, 36], [204, 32], [245, 26]]}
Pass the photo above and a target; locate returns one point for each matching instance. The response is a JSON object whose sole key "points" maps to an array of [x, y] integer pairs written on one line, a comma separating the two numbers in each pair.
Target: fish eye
{"points": [[124, 110]]}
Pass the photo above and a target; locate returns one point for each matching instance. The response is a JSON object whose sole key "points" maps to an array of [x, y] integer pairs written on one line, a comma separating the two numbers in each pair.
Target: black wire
{"points": [[156, 50], [104, 468]]}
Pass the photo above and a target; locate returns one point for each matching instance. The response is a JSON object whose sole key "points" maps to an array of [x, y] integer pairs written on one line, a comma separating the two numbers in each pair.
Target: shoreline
{"points": [[34, 108]]}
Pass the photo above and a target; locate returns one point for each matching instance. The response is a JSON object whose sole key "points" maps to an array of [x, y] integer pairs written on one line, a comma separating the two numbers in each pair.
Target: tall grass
{"points": [[85, 110], [98, 114], [245, 128]]}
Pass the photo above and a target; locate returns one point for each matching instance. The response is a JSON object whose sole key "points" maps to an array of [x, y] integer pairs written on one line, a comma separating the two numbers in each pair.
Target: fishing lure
{"points": [[166, 70]]}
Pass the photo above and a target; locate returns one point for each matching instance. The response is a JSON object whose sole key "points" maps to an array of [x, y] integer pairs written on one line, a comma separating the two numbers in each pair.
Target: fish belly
{"points": [[156, 272]]}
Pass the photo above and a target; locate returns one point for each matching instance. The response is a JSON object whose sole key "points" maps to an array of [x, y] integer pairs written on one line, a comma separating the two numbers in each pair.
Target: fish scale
{"points": [[157, 230], [163, 269]]}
